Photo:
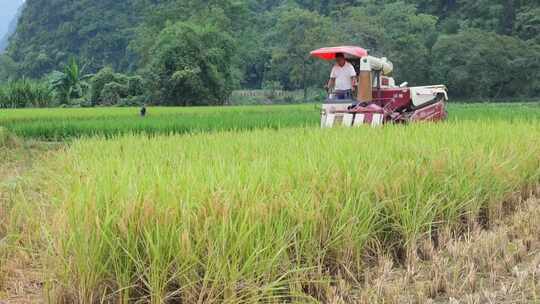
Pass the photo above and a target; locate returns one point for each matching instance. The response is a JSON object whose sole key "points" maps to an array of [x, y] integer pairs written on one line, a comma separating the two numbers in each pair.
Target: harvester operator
{"points": [[342, 78]]}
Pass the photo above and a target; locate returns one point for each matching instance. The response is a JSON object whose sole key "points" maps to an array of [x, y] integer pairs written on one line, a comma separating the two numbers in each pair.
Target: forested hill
{"points": [[49, 32], [487, 48]]}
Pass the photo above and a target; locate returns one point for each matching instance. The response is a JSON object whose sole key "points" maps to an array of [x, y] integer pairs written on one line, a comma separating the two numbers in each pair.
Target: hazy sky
{"points": [[8, 8]]}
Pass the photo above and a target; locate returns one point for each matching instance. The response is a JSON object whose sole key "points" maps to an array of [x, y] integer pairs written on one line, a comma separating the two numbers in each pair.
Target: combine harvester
{"points": [[379, 100]]}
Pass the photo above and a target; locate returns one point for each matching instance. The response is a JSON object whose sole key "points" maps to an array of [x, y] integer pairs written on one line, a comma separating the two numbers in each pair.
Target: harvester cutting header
{"points": [[362, 91]]}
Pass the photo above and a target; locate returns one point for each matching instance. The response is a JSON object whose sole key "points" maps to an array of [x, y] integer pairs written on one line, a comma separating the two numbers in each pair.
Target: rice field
{"points": [[267, 211], [60, 124]]}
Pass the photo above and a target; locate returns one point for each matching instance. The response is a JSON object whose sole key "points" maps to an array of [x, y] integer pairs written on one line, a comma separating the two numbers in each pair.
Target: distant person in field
{"points": [[143, 110], [342, 78]]}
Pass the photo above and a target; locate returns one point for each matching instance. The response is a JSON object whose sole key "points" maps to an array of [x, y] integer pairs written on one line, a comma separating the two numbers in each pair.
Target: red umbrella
{"points": [[329, 53]]}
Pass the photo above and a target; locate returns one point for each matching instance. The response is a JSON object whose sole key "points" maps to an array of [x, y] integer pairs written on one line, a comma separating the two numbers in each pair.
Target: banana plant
{"points": [[71, 83]]}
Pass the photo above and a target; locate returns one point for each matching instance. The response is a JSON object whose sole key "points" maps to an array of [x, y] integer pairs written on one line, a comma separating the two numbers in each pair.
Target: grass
{"points": [[262, 216], [60, 124]]}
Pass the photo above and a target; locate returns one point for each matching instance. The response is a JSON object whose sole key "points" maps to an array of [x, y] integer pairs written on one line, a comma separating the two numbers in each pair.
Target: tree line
{"points": [[181, 52]]}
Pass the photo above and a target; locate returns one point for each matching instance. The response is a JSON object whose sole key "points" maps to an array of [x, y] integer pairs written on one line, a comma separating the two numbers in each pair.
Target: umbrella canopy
{"points": [[329, 53]]}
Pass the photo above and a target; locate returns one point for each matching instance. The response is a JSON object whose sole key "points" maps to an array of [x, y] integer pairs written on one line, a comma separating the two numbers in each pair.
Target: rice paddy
{"points": [[269, 210], [59, 124]]}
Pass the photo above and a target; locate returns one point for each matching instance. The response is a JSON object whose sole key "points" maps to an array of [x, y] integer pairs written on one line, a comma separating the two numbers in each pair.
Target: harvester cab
{"points": [[378, 99]]}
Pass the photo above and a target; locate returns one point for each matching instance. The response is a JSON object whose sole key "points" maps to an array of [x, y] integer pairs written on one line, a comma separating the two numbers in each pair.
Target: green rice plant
{"points": [[60, 124], [263, 216]]}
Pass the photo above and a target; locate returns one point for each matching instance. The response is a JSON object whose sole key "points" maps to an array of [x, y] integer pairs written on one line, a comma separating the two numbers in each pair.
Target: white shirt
{"points": [[343, 75]]}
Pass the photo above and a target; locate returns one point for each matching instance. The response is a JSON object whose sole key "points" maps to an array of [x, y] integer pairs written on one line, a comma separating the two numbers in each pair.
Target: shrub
{"points": [[97, 83], [109, 88], [135, 86], [133, 101], [112, 93]]}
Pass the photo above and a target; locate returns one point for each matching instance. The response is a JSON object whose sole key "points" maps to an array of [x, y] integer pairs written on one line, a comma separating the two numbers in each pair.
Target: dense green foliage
{"points": [[61, 124], [25, 93], [69, 84], [110, 88], [193, 52], [479, 69], [49, 32], [191, 65]]}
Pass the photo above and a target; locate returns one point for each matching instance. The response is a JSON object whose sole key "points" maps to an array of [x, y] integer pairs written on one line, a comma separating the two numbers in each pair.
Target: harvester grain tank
{"points": [[378, 99]]}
